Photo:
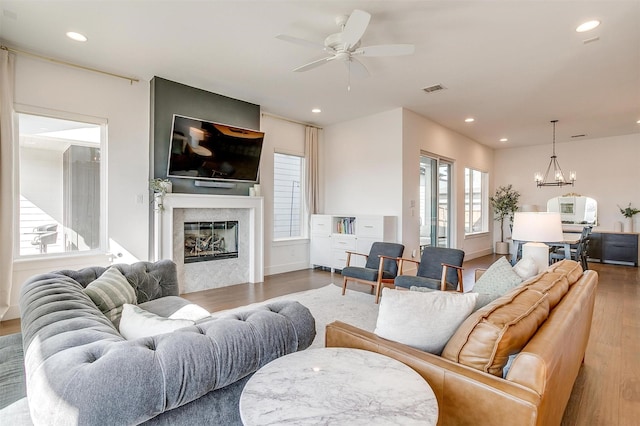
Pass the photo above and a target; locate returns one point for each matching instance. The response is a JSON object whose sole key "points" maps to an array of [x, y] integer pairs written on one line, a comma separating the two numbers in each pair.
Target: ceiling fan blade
{"points": [[314, 64], [357, 68], [300, 41], [355, 27], [386, 50]]}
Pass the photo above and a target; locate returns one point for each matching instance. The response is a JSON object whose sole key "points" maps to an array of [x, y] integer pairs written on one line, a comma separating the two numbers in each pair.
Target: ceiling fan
{"points": [[345, 45]]}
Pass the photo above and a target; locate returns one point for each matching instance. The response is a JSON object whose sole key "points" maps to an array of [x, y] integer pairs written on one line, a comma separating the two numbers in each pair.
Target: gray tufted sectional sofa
{"points": [[80, 370]]}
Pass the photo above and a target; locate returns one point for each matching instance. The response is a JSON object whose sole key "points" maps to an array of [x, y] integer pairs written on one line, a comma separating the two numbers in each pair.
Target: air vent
{"points": [[434, 88], [578, 136], [590, 40]]}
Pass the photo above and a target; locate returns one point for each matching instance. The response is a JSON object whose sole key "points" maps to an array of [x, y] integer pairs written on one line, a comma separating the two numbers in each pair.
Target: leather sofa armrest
{"points": [[465, 396]]}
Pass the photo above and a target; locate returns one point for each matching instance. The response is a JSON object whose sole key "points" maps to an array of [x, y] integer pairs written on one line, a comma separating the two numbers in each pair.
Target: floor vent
{"points": [[578, 136]]}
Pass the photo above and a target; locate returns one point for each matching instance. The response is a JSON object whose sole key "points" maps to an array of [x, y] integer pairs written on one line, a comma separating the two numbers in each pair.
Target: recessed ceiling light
{"points": [[638, 122], [316, 110], [587, 26], [469, 120], [504, 140], [76, 36]]}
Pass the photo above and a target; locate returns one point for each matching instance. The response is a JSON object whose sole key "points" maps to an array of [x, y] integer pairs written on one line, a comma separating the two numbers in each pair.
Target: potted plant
{"points": [[160, 187], [628, 213], [505, 204]]}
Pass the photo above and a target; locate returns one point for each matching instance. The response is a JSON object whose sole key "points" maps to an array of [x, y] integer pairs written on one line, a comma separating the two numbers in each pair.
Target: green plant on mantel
{"points": [[505, 204], [159, 187], [629, 211]]}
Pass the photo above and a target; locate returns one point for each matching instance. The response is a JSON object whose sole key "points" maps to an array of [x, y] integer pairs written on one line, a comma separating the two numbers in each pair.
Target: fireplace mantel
{"points": [[164, 224]]}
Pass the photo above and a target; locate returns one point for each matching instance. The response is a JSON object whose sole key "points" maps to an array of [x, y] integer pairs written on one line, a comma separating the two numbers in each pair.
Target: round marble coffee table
{"points": [[337, 386]]}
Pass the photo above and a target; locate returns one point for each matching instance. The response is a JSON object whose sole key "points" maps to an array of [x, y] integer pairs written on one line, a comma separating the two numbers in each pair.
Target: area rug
{"points": [[327, 304]]}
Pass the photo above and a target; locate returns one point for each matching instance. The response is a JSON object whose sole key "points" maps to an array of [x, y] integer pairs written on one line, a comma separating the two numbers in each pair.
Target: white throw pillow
{"points": [[191, 312], [526, 268], [425, 321], [136, 322]]}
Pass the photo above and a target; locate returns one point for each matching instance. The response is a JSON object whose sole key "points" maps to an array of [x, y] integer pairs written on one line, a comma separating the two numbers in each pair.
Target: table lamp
{"points": [[537, 228]]}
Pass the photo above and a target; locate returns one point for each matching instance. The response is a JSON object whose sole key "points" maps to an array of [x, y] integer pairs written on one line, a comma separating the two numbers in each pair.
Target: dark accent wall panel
{"points": [[168, 98]]}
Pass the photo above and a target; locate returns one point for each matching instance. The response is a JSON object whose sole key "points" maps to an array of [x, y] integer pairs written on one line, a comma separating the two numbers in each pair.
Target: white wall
{"points": [[607, 171], [288, 138], [362, 166], [371, 166], [422, 134], [126, 108]]}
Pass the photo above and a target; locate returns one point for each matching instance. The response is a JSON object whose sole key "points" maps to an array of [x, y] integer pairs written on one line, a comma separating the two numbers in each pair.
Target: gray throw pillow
{"points": [[496, 281], [109, 292]]}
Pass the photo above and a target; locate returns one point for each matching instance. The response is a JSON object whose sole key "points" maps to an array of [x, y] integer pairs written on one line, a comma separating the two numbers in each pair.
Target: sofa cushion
{"points": [[526, 268], [423, 320], [572, 269], [109, 292], [487, 337], [136, 323], [496, 281], [554, 284]]}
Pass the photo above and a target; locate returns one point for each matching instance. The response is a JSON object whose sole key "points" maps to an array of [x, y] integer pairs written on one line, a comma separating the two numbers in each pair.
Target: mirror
{"points": [[574, 209]]}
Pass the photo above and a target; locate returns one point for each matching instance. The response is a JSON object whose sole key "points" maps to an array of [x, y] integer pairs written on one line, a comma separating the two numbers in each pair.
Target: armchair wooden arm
{"points": [[349, 253], [443, 281]]}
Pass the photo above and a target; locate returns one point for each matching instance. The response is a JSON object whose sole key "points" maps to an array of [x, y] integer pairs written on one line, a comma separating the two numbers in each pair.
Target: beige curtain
{"points": [[311, 155], [6, 178]]}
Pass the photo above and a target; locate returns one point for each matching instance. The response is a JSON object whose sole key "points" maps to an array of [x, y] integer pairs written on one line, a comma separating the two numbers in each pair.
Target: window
{"points": [[476, 201], [60, 185], [287, 196]]}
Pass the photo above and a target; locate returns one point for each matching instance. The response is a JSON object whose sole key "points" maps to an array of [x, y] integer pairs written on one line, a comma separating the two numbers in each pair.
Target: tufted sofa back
{"points": [[80, 370]]}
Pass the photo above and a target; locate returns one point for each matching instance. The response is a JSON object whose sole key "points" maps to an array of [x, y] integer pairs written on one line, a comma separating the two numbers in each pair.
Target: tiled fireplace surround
{"points": [[169, 238]]}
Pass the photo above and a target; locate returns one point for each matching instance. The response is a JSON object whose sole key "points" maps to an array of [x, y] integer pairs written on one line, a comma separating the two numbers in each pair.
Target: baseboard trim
{"points": [[476, 254], [289, 267], [12, 313]]}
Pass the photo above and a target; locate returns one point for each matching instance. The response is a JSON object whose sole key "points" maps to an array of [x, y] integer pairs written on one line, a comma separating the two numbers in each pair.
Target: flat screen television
{"points": [[201, 149]]}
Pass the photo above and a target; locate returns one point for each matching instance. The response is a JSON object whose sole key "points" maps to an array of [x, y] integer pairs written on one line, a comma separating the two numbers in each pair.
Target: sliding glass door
{"points": [[435, 201]]}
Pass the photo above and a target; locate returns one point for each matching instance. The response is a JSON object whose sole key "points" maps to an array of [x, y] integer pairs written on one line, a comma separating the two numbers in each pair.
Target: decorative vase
{"points": [[502, 247], [628, 224]]}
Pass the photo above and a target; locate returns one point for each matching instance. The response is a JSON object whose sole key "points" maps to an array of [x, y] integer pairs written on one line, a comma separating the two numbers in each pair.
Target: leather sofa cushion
{"points": [[572, 269], [488, 336], [554, 284]]}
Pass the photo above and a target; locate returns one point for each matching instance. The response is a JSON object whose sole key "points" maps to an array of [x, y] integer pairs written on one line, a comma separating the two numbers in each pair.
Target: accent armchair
{"points": [[381, 267], [439, 268]]}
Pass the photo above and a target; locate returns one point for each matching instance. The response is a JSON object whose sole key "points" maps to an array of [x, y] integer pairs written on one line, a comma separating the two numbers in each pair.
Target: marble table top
{"points": [[331, 386]]}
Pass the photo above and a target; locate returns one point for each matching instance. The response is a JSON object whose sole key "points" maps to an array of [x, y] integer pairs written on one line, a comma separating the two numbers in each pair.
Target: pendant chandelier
{"points": [[554, 176]]}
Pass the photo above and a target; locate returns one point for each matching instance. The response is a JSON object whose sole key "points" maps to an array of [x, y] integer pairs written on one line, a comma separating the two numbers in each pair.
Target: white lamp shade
{"points": [[537, 226]]}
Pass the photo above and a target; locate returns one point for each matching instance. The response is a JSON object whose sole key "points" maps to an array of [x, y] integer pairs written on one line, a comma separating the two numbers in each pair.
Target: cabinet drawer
{"points": [[341, 242], [370, 227], [339, 259], [621, 240], [321, 224]]}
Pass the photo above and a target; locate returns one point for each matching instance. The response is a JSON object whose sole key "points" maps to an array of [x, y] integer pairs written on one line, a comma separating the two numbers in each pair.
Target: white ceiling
{"points": [[512, 65]]}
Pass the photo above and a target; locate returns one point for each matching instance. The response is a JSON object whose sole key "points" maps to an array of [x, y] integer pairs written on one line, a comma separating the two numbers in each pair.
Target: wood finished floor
{"points": [[607, 390]]}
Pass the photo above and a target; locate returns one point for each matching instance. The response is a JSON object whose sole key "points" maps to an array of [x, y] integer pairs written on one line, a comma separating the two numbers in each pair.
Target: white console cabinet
{"points": [[333, 235]]}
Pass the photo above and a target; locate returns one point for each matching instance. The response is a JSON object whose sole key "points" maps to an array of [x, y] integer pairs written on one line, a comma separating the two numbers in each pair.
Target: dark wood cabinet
{"points": [[613, 247]]}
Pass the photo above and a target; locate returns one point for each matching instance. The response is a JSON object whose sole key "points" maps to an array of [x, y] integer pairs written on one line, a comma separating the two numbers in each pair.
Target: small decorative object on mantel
{"points": [[160, 187], [505, 204], [628, 213]]}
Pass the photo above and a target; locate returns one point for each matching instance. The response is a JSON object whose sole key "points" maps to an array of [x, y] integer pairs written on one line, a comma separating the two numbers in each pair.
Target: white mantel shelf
{"points": [[163, 229]]}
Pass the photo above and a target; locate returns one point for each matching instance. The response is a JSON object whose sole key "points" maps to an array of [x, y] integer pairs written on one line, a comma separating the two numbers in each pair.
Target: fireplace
{"points": [[179, 209], [205, 241]]}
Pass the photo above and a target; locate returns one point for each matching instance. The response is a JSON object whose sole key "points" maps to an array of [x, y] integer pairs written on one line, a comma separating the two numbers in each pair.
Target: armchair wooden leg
{"points": [[344, 285], [378, 290]]}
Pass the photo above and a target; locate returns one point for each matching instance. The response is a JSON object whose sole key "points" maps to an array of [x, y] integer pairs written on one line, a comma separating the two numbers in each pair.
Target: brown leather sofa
{"points": [[538, 385]]}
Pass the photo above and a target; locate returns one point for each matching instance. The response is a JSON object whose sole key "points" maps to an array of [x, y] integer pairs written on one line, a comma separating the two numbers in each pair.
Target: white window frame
{"points": [[469, 201], [62, 115], [303, 209]]}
